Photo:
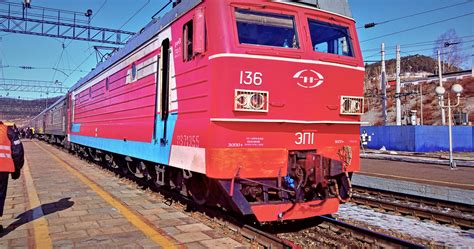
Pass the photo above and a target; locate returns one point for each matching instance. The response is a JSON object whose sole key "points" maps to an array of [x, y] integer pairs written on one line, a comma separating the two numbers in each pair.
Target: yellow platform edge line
{"points": [[40, 225], [148, 230], [416, 179]]}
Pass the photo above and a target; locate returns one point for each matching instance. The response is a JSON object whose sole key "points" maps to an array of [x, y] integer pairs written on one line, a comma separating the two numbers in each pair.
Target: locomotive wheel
{"points": [[137, 169], [111, 161], [198, 188]]}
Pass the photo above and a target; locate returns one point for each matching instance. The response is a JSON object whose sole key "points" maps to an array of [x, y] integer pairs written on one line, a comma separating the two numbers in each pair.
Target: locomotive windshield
{"points": [[260, 28], [330, 38]]}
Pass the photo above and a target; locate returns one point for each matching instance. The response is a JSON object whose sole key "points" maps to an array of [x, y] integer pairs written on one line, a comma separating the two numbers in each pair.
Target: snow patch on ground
{"points": [[441, 234]]}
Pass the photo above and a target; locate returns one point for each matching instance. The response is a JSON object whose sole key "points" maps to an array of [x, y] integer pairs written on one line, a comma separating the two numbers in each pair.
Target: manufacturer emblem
{"points": [[308, 78]]}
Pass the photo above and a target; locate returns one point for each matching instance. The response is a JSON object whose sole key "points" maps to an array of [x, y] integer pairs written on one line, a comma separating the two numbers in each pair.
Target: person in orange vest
{"points": [[11, 160]]}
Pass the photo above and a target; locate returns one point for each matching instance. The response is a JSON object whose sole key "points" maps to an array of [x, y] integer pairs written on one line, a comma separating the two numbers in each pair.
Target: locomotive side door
{"points": [[162, 93]]}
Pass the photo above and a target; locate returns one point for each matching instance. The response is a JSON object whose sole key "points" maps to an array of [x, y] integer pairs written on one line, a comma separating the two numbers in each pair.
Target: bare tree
{"points": [[450, 45]]}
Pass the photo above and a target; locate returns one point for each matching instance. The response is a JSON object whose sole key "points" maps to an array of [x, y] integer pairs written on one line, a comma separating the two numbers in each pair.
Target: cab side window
{"points": [[330, 38], [188, 41]]}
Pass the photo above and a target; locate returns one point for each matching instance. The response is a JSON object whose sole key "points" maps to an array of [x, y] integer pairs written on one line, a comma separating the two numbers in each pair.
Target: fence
{"points": [[420, 138]]}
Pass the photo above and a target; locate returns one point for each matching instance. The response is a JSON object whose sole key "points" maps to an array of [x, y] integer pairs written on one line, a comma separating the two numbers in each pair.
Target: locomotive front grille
{"points": [[352, 105], [251, 101]]}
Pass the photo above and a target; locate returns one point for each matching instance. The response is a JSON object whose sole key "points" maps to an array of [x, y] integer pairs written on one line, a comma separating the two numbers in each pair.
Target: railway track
{"points": [[370, 237], [420, 207], [331, 232], [326, 231]]}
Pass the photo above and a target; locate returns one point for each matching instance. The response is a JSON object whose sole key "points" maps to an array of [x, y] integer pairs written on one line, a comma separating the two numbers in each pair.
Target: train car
{"points": [[254, 105], [55, 120], [38, 124], [51, 123]]}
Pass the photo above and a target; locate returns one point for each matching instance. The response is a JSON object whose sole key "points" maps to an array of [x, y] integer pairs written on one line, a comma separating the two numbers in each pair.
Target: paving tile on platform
{"points": [[94, 241], [128, 236], [195, 245], [213, 234], [171, 230], [20, 242], [190, 237], [63, 244], [197, 227], [104, 231], [69, 235], [172, 215], [221, 243], [112, 222], [168, 222], [83, 225]]}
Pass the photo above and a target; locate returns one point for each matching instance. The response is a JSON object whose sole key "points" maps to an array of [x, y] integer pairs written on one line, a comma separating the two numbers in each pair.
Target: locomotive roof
{"points": [[145, 34], [340, 7]]}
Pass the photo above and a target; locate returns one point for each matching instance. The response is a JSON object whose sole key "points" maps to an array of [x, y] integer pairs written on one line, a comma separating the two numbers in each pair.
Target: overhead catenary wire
{"points": [[416, 44], [417, 14], [84, 61], [417, 27], [100, 8], [67, 45], [39, 68], [431, 48], [59, 61], [134, 14], [415, 52]]}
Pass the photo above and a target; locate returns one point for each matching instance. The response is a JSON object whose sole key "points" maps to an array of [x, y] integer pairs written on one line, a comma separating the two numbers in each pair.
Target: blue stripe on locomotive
{"points": [[154, 151]]}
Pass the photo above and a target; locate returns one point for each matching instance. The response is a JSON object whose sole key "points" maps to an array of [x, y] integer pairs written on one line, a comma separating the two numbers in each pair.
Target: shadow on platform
{"points": [[32, 214]]}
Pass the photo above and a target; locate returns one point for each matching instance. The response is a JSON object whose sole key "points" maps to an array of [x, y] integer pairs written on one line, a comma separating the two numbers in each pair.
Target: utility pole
{"points": [[384, 87], [440, 73], [421, 103], [397, 94]]}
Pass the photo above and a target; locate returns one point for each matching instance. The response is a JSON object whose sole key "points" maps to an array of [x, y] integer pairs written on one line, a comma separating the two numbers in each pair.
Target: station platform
{"points": [[62, 201], [462, 159], [419, 179]]}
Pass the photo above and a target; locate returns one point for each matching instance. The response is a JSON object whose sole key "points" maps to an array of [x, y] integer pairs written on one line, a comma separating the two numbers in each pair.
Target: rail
{"points": [[417, 206], [378, 239]]}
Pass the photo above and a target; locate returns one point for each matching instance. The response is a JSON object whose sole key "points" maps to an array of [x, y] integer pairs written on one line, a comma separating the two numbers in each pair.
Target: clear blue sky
{"points": [[36, 51]]}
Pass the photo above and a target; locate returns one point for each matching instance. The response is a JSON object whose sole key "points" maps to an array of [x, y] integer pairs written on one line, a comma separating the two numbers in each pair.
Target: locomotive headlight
{"points": [[351, 105], [257, 101], [251, 101]]}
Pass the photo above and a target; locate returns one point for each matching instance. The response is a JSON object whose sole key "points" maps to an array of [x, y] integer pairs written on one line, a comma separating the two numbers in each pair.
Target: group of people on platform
{"points": [[11, 159], [27, 132]]}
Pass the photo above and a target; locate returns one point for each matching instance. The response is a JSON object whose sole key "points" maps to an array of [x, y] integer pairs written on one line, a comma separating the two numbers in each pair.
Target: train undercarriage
{"points": [[312, 180]]}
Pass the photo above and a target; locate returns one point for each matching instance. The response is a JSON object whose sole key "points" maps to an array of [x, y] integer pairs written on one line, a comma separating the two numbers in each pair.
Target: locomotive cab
{"points": [[285, 109]]}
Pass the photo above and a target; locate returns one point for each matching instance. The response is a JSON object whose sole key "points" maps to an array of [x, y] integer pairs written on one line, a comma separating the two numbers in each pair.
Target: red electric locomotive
{"points": [[251, 104]]}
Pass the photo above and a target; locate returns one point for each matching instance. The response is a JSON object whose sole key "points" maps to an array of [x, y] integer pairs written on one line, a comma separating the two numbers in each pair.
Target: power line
{"points": [[416, 44], [417, 27], [412, 15], [39, 68], [100, 8], [136, 13], [415, 52], [377, 53], [73, 71]]}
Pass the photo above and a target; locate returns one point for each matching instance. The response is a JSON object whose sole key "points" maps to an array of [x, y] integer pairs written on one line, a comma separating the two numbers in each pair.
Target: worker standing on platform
{"points": [[11, 160]]}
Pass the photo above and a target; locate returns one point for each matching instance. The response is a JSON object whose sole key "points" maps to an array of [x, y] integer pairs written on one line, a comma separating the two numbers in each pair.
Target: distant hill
{"points": [[412, 68], [21, 111]]}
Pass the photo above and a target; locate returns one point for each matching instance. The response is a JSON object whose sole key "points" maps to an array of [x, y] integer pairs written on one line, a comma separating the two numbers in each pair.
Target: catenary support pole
{"points": [[421, 103], [440, 73], [383, 84], [397, 94]]}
